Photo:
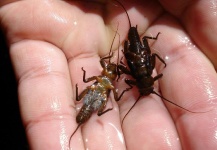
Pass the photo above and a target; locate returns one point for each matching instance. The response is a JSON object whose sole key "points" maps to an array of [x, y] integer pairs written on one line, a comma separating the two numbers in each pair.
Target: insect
{"points": [[95, 96], [141, 63]]}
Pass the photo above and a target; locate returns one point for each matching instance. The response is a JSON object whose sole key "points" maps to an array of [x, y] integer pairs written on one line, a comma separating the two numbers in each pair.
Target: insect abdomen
{"points": [[84, 114]]}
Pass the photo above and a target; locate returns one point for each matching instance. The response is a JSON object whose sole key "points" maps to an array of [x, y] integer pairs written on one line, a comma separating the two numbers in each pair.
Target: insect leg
{"points": [[119, 70], [102, 107], [88, 79], [125, 47], [145, 42], [116, 93], [153, 56], [79, 97], [158, 76], [124, 69], [149, 37]]}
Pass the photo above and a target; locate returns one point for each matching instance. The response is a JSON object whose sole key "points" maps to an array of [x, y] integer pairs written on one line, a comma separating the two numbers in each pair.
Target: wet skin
{"points": [[50, 41]]}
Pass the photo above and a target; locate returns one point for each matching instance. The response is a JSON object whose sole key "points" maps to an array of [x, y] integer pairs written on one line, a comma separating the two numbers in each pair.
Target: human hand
{"points": [[51, 40]]}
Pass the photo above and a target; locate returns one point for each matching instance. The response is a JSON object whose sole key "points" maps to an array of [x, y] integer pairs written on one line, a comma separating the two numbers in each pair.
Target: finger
{"points": [[45, 93], [199, 19], [190, 81], [75, 23], [5, 2]]}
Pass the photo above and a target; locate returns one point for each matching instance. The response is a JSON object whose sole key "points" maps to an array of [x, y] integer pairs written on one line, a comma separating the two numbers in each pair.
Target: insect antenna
{"points": [[110, 52], [125, 11], [153, 92], [74, 133], [119, 41]]}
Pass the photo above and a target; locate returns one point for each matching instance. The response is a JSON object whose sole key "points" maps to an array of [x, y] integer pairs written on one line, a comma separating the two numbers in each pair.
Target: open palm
{"points": [[51, 40]]}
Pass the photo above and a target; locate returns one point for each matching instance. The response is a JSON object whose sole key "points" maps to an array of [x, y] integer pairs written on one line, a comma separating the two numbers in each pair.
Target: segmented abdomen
{"points": [[93, 100]]}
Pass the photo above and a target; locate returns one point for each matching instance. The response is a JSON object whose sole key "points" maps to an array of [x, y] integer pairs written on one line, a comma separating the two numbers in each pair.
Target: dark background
{"points": [[12, 133]]}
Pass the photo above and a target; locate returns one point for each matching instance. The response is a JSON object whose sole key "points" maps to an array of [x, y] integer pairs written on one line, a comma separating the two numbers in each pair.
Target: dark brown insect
{"points": [[141, 63], [95, 96]]}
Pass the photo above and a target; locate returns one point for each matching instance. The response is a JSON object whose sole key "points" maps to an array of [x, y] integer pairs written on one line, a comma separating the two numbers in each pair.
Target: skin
{"points": [[50, 40]]}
